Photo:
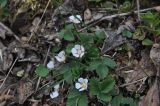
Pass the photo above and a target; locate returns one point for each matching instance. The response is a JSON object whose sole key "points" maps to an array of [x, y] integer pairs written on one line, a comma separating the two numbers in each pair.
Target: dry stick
{"points": [[138, 8], [133, 82], [9, 72], [44, 63], [10, 31], [113, 16], [40, 20]]}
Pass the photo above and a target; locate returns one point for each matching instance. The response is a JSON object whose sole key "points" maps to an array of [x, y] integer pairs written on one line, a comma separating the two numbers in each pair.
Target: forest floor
{"points": [[79, 53]]}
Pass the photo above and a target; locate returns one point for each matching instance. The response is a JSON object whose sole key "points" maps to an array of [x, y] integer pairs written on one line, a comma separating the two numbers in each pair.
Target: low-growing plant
{"points": [[82, 56]]}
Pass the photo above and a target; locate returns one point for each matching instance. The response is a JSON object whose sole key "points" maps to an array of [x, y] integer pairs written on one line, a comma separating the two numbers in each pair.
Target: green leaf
{"points": [[129, 101], [107, 85], [127, 34], [41, 70], [120, 100], [116, 101], [102, 71], [3, 3], [94, 0], [69, 27], [147, 42], [94, 65], [69, 48], [100, 34], [83, 100], [67, 35], [104, 97], [68, 77], [72, 102], [73, 94], [109, 62], [94, 86], [86, 38]]}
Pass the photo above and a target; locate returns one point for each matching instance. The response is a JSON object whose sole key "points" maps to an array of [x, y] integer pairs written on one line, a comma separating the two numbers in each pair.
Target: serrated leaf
{"points": [[129, 101], [109, 62], [104, 97], [94, 86], [107, 85], [116, 101], [102, 71], [94, 65], [41, 70], [83, 100], [147, 42], [86, 38], [72, 102], [73, 94], [68, 77]]}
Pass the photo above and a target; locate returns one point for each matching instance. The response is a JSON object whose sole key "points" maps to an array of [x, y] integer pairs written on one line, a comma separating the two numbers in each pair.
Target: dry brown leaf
{"points": [[152, 98], [87, 14], [157, 8], [25, 89], [140, 71]]}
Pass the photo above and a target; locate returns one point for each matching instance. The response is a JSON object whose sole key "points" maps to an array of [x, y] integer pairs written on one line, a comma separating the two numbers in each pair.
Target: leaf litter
{"points": [[22, 39]]}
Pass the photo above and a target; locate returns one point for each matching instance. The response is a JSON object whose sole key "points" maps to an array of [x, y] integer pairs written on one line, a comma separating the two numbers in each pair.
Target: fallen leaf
{"points": [[25, 89], [152, 98], [157, 8], [87, 14], [114, 40]]}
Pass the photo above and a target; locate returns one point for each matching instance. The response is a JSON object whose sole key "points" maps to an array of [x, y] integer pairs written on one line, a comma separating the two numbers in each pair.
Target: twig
{"points": [[9, 72], [113, 16], [138, 8], [39, 20], [10, 31], [132, 82], [44, 63]]}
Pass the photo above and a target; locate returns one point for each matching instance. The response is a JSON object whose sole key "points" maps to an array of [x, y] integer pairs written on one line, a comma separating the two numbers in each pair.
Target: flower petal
{"points": [[85, 80], [82, 89], [78, 85], [81, 80], [61, 54], [54, 94], [77, 46], [76, 55], [73, 51], [56, 87], [82, 53], [50, 64], [82, 48]]}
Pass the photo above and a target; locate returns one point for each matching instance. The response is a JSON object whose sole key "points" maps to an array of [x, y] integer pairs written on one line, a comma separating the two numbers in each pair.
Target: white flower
{"points": [[78, 51], [50, 64], [82, 84], [55, 93], [75, 19], [61, 57], [56, 87]]}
